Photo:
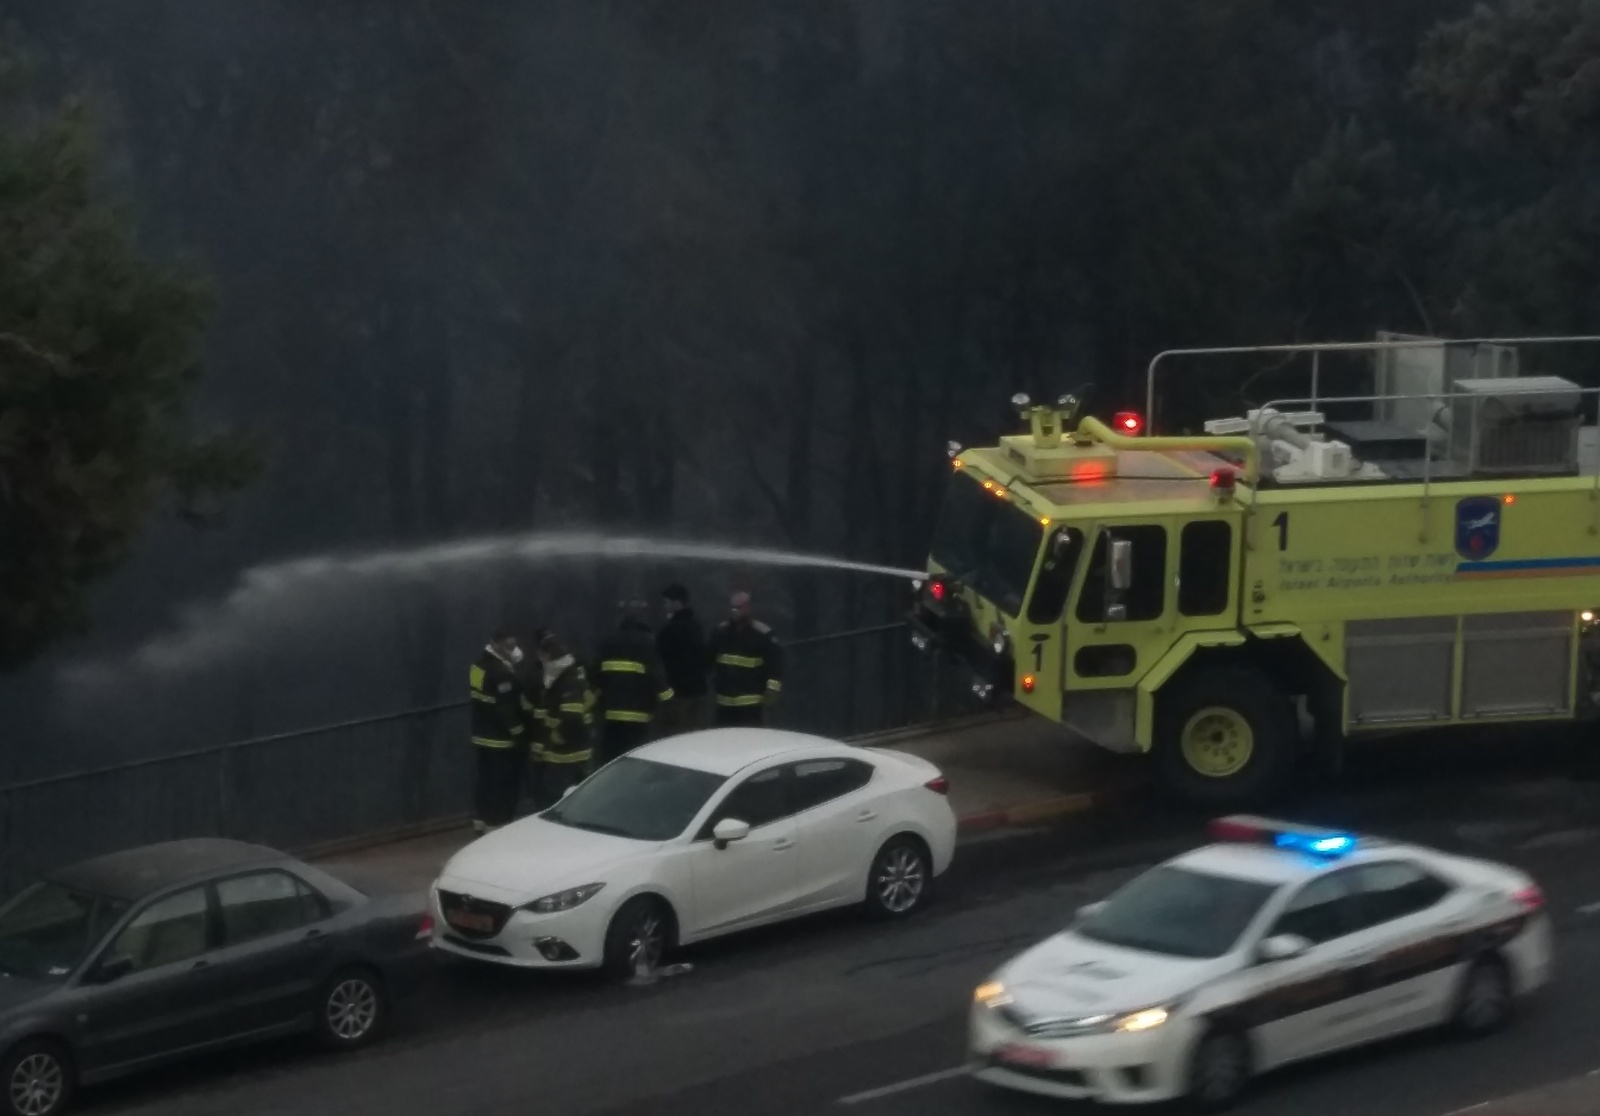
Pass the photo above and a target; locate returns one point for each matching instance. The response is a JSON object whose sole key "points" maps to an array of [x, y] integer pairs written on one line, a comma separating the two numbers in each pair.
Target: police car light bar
{"points": [[1283, 835]]}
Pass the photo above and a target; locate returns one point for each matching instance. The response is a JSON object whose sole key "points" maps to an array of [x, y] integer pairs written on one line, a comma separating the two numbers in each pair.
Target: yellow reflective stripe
{"points": [[567, 757], [487, 698], [774, 685], [742, 699], [573, 706], [739, 660], [666, 695], [475, 676], [621, 666], [486, 742], [627, 715], [519, 730]]}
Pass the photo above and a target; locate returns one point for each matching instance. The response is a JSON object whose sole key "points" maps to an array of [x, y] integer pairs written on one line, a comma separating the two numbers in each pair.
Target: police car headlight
{"points": [[564, 900], [1145, 1020], [991, 994]]}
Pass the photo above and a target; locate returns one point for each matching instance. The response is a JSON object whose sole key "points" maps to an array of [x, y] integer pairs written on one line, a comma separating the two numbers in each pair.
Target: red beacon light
{"points": [[1283, 835], [937, 590], [1128, 422], [1223, 480]]}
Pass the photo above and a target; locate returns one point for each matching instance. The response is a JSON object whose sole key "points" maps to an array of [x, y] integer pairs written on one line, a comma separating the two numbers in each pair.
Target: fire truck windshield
{"points": [[987, 543]]}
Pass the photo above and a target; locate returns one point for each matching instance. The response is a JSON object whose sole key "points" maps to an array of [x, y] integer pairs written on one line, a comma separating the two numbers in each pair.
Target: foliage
{"points": [[97, 362]]}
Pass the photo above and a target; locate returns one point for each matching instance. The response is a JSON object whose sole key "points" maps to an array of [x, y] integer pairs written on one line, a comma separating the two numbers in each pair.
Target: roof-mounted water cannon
{"points": [[1049, 424]]}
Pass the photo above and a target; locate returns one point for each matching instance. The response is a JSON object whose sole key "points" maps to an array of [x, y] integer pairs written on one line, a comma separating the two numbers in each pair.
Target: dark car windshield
{"points": [[986, 542], [637, 798], [47, 929], [1178, 912]]}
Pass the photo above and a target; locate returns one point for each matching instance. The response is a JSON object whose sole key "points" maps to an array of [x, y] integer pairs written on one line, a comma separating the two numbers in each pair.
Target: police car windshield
{"points": [[986, 542], [637, 798], [1178, 912]]}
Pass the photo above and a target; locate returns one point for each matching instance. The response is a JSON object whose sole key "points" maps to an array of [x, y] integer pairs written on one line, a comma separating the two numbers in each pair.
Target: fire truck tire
{"points": [[1225, 736]]}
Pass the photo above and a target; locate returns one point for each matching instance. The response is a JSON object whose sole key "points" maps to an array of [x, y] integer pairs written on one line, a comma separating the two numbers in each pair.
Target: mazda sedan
{"points": [[141, 957], [693, 837]]}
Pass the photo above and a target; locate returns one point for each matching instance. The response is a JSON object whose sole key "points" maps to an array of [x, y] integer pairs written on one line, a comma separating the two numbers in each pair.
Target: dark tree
{"points": [[97, 362]]}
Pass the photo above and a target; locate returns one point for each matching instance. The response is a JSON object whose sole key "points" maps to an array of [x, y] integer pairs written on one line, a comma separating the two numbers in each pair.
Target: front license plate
{"points": [[466, 920], [1030, 1056]]}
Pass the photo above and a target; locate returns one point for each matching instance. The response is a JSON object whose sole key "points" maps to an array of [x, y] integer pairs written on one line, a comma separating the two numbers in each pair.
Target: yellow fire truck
{"points": [[1423, 556]]}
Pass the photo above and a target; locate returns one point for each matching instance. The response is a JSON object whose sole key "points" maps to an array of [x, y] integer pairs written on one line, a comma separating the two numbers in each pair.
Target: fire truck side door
{"points": [[1176, 576], [1118, 625], [1038, 641]]}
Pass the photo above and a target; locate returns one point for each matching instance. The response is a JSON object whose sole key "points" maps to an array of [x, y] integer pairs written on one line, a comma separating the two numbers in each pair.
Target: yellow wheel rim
{"points": [[1218, 742]]}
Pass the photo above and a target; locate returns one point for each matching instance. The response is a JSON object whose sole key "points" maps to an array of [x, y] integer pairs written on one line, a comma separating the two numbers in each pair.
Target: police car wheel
{"points": [[1225, 736], [1483, 1002], [1219, 1071]]}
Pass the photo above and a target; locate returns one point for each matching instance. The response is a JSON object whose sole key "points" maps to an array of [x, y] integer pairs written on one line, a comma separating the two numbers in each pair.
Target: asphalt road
{"points": [[837, 1016]]}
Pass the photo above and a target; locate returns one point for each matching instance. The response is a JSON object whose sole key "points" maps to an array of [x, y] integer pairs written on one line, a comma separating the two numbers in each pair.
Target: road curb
{"points": [[1040, 812]]}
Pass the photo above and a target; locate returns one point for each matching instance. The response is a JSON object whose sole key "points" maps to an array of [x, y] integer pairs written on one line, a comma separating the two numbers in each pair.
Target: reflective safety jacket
{"points": [[629, 680], [498, 714], [566, 717], [747, 663]]}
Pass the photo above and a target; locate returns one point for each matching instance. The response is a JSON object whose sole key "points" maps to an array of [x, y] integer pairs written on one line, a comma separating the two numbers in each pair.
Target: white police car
{"points": [[1277, 943]]}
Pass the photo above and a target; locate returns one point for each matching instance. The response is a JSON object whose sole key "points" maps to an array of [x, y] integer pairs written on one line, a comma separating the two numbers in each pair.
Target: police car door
{"points": [[1405, 949], [1295, 1007]]}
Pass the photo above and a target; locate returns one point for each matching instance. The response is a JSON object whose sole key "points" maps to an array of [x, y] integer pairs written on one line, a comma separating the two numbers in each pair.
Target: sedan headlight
{"points": [[991, 994], [564, 900], [1142, 1020]]}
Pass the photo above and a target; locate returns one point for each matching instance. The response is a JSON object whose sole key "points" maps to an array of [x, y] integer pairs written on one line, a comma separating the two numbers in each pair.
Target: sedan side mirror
{"points": [[1282, 947], [569, 790], [112, 968], [729, 830], [1089, 910]]}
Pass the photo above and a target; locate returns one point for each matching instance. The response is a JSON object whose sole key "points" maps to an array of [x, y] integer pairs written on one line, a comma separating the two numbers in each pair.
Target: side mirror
{"points": [[1060, 546], [1119, 570], [112, 968], [1282, 947], [569, 790], [729, 830], [1089, 910]]}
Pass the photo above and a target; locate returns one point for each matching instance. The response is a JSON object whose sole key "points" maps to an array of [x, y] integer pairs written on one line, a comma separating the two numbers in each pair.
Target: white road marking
{"points": [[1589, 908], [905, 1086]]}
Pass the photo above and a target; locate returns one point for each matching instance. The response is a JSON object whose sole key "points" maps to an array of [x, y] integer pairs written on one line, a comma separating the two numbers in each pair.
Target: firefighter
{"points": [[500, 732], [681, 644], [630, 686], [748, 666], [567, 716]]}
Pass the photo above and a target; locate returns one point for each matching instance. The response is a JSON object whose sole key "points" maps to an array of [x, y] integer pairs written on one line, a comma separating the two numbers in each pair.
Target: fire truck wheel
{"points": [[1225, 736]]}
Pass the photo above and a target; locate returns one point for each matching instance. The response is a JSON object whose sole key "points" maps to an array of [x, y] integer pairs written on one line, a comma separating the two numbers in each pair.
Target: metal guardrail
{"points": [[406, 771]]}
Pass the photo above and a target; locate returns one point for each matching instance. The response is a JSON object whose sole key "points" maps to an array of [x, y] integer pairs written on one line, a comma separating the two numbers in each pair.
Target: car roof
{"points": [[132, 874], [725, 751]]}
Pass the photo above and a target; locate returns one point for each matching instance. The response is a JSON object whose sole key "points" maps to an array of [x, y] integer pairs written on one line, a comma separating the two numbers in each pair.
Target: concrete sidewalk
{"points": [[1009, 771]]}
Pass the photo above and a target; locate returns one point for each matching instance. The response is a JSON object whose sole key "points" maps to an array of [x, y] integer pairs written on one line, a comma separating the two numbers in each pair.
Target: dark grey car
{"points": [[140, 957]]}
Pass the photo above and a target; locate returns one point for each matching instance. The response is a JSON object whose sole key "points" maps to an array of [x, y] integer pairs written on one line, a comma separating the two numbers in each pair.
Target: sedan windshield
{"points": [[1178, 912], [637, 798], [47, 929]]}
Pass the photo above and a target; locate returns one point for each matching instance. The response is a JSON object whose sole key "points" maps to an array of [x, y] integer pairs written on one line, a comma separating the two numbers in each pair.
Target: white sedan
{"points": [[692, 837], [1278, 943]]}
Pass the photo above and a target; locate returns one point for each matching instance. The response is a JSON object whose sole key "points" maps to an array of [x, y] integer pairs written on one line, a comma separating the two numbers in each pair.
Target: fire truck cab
{"points": [[1425, 556]]}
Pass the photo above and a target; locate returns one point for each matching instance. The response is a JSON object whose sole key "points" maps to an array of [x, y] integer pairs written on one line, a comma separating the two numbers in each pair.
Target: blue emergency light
{"points": [[1284, 835]]}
